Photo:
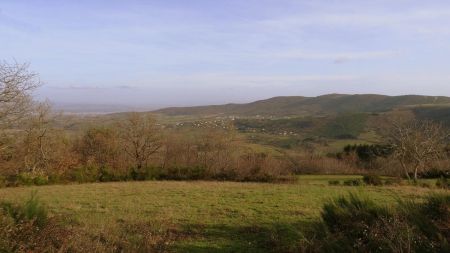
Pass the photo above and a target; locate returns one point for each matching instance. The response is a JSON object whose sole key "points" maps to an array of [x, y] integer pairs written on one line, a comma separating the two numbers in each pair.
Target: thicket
{"points": [[135, 148], [356, 224]]}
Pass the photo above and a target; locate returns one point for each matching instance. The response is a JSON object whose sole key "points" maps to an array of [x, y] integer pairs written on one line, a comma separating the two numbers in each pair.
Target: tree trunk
{"points": [[405, 169]]}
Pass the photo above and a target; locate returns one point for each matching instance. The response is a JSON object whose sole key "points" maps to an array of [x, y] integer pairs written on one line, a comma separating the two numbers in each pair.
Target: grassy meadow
{"points": [[206, 216]]}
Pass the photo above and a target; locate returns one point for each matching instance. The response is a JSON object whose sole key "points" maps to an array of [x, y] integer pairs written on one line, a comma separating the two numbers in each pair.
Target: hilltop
{"points": [[304, 106]]}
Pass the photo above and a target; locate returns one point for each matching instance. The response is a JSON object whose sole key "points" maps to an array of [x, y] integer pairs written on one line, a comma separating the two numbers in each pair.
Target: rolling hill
{"points": [[303, 106]]}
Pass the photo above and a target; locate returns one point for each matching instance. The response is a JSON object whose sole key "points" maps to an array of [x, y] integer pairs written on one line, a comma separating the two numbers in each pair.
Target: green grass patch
{"points": [[208, 216]]}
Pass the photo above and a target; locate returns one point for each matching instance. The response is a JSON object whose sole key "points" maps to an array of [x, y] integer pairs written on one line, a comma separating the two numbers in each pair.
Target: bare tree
{"points": [[99, 146], [416, 143], [141, 138], [36, 142], [16, 84]]}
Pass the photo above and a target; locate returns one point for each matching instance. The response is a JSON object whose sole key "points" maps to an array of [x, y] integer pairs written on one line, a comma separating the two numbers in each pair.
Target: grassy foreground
{"points": [[207, 216]]}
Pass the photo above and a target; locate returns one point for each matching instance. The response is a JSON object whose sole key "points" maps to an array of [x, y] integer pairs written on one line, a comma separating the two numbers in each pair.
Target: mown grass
{"points": [[209, 216]]}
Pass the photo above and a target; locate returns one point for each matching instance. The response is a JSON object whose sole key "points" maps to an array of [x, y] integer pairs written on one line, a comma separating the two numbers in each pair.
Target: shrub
{"points": [[29, 178], [372, 180], [443, 182], [3, 181], [84, 174], [325, 165], [27, 228], [40, 180], [393, 181], [353, 182], [347, 219], [32, 210], [334, 182], [108, 174], [355, 224], [25, 178], [146, 173], [431, 220], [425, 185], [186, 173], [435, 173]]}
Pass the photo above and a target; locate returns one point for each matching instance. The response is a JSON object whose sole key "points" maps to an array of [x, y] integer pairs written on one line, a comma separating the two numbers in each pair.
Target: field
{"points": [[206, 216]]}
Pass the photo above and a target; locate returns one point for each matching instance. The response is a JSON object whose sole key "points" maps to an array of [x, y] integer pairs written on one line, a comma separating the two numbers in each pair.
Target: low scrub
{"points": [[372, 180], [334, 182], [326, 165], [355, 224], [353, 182], [28, 228], [443, 183]]}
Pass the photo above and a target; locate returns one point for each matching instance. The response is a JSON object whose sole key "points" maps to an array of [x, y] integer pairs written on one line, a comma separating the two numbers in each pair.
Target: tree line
{"points": [[34, 150]]}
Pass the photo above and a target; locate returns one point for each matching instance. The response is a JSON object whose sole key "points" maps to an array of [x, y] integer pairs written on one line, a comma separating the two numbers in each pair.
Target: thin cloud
{"points": [[357, 18], [334, 57], [87, 87]]}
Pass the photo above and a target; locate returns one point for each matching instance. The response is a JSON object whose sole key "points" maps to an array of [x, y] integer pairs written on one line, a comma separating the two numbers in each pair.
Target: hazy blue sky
{"points": [[178, 52]]}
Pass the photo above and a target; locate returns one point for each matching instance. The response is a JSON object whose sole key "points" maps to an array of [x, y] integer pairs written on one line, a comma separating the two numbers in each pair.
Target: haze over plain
{"points": [[176, 53]]}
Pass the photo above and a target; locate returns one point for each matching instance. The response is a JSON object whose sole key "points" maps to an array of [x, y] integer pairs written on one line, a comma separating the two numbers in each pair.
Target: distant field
{"points": [[211, 216]]}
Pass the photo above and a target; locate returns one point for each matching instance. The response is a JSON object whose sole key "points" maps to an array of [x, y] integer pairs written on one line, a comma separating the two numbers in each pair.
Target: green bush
{"points": [[32, 210], [425, 185], [29, 178], [372, 180], [107, 174], [27, 228], [353, 182], [334, 182], [3, 181], [86, 174], [355, 224], [443, 182], [393, 181], [25, 178], [146, 173], [186, 173], [40, 180]]}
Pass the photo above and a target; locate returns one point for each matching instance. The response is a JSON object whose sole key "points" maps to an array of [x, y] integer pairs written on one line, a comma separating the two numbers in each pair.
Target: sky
{"points": [[178, 52]]}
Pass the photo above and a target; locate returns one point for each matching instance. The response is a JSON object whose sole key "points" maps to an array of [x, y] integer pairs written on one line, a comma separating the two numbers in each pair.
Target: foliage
{"points": [[393, 181], [353, 182], [355, 224], [28, 178], [443, 182], [334, 182], [32, 210], [368, 153], [372, 180]]}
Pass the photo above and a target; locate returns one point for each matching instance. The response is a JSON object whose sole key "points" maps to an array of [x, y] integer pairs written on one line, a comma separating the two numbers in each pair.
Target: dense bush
{"points": [[185, 173], [31, 210], [28, 178], [334, 182], [325, 165], [367, 152], [84, 174], [393, 181], [353, 182], [372, 180], [355, 224], [443, 182], [435, 173]]}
